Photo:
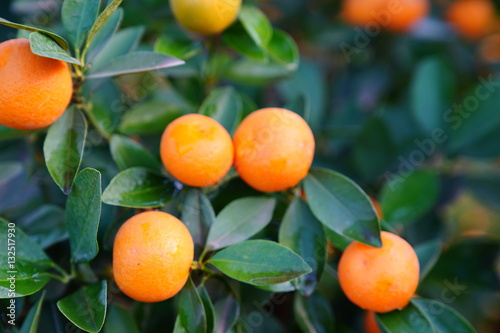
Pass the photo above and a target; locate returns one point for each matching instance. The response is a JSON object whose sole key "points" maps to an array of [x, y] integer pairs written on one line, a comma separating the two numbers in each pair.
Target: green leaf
{"points": [[121, 43], [78, 16], [260, 262], [428, 254], [86, 308], [208, 307], [101, 20], [139, 188], [342, 206], [63, 147], [256, 73], [191, 310], [106, 110], [45, 46], [405, 199], [135, 62], [301, 232], [104, 35], [240, 220], [338, 241], [224, 105], [46, 225], [256, 24], [128, 154], [198, 216], [83, 212], [476, 116], [30, 323], [177, 46], [119, 320], [314, 313], [22, 258], [149, 118], [239, 40], [431, 92], [227, 311], [59, 40], [283, 49], [423, 315]]}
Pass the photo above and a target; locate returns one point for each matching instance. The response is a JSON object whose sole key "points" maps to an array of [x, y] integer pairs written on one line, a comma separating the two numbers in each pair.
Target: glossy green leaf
{"points": [[198, 216], [208, 308], [30, 323], [428, 254], [338, 241], [135, 62], [122, 42], [253, 72], [45, 46], [260, 262], [431, 91], [178, 328], [103, 36], [78, 17], [83, 212], [59, 40], [284, 50], [149, 117], [23, 259], [101, 20], [227, 311], [256, 24], [423, 315], [139, 188], [341, 205], [405, 199], [224, 105], [191, 310], [63, 147], [181, 47], [239, 40], [301, 232], [86, 308], [240, 220], [46, 225], [106, 111], [128, 154], [119, 320], [313, 314]]}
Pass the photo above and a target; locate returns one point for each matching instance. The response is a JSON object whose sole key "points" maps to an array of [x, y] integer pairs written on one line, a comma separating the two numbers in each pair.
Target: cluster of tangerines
{"points": [[272, 150], [471, 18]]}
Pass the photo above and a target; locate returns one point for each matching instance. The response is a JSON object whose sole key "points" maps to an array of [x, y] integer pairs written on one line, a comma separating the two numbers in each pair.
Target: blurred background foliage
{"points": [[374, 103]]}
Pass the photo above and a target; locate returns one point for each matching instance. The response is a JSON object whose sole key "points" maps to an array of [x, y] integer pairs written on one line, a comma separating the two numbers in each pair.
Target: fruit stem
{"points": [[195, 265]]}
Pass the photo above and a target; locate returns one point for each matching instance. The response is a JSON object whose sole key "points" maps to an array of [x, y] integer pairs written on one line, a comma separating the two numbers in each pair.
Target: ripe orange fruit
{"points": [[472, 18], [370, 323], [274, 149], [34, 90], [196, 150], [206, 17], [379, 279], [152, 256], [392, 15]]}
